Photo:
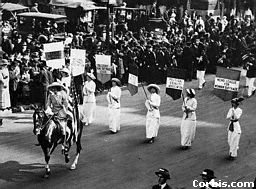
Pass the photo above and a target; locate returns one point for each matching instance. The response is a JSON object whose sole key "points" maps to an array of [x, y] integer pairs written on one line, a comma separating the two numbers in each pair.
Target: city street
{"points": [[124, 160]]}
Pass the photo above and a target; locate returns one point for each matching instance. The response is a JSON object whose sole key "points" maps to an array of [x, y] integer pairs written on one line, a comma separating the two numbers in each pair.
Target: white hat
{"points": [[155, 87], [57, 84], [118, 82]]}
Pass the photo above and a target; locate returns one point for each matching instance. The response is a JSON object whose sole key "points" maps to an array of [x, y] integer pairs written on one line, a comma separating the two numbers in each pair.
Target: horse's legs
{"points": [[78, 148], [47, 159]]}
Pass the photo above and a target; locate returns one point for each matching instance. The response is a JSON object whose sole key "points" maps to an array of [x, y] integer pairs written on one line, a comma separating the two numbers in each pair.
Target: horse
{"points": [[49, 135]]}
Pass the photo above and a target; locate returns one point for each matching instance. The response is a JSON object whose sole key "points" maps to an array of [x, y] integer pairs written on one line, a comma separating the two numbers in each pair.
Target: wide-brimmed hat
{"points": [[65, 70], [208, 173], [4, 62], [30, 36], [237, 100], [163, 173], [90, 75], [191, 91], [56, 84], [155, 87], [118, 82]]}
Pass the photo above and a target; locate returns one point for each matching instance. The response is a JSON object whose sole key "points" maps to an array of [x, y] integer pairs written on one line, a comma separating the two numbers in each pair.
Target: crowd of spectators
{"points": [[221, 42]]}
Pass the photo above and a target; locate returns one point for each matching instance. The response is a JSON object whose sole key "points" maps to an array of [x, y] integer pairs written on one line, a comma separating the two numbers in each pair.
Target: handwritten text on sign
{"points": [[133, 79], [174, 83], [226, 84]]}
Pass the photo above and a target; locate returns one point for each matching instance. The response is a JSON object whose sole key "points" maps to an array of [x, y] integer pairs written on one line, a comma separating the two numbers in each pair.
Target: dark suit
{"points": [[44, 80], [159, 187]]}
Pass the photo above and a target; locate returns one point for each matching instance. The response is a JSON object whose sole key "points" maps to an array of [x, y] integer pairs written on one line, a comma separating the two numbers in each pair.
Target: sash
{"points": [[231, 125]]}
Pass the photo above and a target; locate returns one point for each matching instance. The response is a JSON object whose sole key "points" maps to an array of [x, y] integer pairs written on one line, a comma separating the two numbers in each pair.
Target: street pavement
{"points": [[124, 160]]}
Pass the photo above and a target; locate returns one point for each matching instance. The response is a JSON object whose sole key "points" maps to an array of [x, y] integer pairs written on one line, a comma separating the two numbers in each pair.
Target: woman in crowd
{"points": [[188, 123], [234, 129], [153, 114], [89, 100], [4, 87], [113, 98]]}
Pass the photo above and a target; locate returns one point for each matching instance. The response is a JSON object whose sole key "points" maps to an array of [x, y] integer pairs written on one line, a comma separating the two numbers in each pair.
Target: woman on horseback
{"points": [[57, 105]]}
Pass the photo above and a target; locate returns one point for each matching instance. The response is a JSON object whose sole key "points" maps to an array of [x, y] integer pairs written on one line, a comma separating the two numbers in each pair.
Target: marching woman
{"points": [[188, 123], [153, 114], [113, 98], [5, 101], [234, 129], [89, 100]]}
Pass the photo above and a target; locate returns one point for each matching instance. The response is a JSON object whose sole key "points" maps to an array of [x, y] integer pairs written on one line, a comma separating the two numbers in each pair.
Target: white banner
{"points": [[174, 83], [226, 84], [77, 60], [54, 55], [133, 80], [103, 64]]}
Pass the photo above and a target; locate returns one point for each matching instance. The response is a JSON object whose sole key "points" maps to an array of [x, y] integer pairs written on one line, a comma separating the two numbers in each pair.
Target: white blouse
{"points": [[113, 97]]}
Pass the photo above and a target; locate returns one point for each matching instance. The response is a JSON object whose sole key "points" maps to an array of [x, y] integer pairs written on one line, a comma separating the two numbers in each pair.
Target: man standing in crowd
{"points": [[208, 178], [163, 176]]}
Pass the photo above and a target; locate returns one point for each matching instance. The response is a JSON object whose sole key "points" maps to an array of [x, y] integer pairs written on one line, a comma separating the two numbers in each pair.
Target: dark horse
{"points": [[49, 136]]}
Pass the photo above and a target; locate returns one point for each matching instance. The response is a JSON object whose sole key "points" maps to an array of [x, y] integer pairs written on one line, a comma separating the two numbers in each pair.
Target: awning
{"points": [[72, 3], [12, 7]]}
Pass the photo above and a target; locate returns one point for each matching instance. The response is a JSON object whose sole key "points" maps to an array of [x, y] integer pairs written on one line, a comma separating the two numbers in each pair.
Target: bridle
{"points": [[40, 126]]}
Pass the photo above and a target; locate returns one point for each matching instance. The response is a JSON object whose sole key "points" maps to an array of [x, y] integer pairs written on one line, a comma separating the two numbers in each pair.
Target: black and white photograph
{"points": [[127, 94]]}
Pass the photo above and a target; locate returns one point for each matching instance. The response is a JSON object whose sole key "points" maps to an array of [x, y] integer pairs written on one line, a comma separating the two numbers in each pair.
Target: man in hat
{"points": [[234, 129], [34, 8], [14, 73], [4, 87], [89, 100], [113, 98], [188, 123], [201, 67], [250, 76], [153, 114], [163, 176], [208, 178], [44, 81]]}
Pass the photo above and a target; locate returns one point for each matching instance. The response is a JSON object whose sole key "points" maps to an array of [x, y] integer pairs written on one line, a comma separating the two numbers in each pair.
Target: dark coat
{"points": [[159, 187]]}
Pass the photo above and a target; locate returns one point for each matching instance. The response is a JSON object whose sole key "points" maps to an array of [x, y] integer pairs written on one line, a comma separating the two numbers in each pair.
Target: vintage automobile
{"points": [[42, 24]]}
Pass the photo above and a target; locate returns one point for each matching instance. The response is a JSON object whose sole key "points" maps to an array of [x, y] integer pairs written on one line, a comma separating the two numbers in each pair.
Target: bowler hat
{"points": [[208, 173], [163, 173]]}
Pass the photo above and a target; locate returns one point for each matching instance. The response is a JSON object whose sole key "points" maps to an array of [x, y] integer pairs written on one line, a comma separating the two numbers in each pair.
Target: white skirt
{"points": [[5, 101], [188, 131], [114, 119], [89, 112], [152, 126]]}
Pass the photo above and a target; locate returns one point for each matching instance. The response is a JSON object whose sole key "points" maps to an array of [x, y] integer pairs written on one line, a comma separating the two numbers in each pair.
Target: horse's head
{"points": [[38, 120]]}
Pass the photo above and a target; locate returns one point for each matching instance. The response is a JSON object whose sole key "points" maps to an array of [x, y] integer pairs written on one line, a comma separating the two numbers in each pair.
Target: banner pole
{"points": [[144, 90]]}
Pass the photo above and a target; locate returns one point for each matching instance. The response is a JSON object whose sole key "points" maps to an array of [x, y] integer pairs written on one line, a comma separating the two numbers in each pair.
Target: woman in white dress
{"points": [[5, 101], [188, 123], [89, 100], [153, 114], [113, 98], [234, 129]]}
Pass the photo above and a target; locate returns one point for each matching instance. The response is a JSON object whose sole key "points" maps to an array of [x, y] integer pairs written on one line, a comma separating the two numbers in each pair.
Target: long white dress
{"points": [[113, 98], [235, 133], [89, 102], [153, 115], [5, 101], [188, 123]]}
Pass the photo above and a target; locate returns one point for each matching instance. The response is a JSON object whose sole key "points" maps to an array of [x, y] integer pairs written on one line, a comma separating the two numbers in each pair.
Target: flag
{"points": [[133, 79], [226, 83], [175, 82], [103, 67]]}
